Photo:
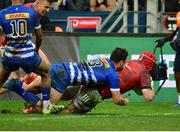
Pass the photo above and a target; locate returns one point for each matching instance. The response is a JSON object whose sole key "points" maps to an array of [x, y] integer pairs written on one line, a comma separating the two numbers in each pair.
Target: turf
{"points": [[106, 116]]}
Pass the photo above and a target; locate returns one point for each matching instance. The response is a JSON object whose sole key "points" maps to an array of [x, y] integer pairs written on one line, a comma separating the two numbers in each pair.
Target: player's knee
{"points": [[11, 84]]}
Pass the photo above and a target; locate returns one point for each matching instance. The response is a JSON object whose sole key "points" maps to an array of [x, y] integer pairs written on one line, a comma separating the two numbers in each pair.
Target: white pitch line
{"points": [[88, 116]]}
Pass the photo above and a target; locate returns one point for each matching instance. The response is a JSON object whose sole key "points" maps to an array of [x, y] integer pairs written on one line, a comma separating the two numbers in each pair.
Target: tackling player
{"points": [[134, 76], [98, 71]]}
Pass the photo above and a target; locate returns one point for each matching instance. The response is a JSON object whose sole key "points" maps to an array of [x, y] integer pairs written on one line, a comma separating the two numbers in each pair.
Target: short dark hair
{"points": [[119, 54], [50, 1]]}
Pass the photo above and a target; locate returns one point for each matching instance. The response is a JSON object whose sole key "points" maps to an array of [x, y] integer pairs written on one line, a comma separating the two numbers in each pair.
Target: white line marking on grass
{"points": [[89, 116], [159, 114]]}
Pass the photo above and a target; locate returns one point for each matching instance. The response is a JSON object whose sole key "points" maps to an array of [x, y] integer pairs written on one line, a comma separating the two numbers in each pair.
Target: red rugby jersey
{"points": [[134, 74]]}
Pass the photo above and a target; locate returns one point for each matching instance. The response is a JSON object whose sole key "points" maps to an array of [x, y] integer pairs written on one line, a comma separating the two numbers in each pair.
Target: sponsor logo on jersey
{"points": [[104, 61], [17, 15]]}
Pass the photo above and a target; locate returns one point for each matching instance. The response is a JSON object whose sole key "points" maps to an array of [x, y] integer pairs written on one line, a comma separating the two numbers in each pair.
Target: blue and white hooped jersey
{"points": [[18, 23], [93, 71]]}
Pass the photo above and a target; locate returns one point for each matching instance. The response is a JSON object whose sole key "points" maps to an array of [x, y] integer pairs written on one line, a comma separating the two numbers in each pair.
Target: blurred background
{"points": [[76, 30], [122, 16]]}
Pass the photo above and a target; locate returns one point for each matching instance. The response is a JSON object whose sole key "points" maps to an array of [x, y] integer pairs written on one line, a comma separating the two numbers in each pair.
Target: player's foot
{"points": [[31, 108], [57, 108], [178, 105], [47, 110]]}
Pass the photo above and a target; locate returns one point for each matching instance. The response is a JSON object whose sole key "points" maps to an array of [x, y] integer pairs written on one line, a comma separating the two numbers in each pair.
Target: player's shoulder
{"points": [[3, 11], [135, 63], [30, 5], [27, 8], [23, 8]]}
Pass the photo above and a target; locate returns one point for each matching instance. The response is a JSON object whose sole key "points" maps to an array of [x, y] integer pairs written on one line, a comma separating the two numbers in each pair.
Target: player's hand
{"points": [[161, 42], [124, 101]]}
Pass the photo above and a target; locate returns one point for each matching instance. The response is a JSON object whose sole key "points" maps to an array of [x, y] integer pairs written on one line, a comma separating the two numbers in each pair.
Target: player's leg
{"points": [[16, 86], [35, 64], [3, 90], [55, 96], [59, 82], [177, 78], [12, 64], [44, 57], [177, 74], [6, 69], [15, 74], [43, 71], [3, 75]]}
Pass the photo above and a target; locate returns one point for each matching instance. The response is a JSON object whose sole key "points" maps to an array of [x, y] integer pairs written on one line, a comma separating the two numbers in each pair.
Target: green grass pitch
{"points": [[106, 116]]}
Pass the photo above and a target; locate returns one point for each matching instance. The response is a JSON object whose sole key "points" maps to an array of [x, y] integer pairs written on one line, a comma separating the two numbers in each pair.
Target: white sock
{"points": [[178, 98], [46, 104]]}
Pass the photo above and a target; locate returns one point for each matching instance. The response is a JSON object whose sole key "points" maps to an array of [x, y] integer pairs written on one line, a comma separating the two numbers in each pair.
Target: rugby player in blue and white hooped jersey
{"points": [[96, 71], [18, 22]]}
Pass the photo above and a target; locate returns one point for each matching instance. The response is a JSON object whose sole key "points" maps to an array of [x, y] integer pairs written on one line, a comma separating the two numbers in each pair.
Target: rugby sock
{"points": [[26, 95], [179, 98], [45, 93]]}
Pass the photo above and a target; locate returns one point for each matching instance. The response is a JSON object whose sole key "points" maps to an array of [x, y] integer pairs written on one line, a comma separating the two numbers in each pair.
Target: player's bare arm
{"points": [[38, 34]]}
